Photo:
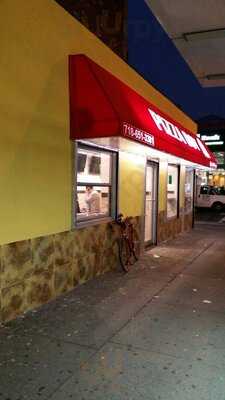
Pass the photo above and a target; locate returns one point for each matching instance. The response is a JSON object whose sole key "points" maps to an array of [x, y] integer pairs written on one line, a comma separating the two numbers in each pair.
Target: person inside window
{"points": [[92, 200]]}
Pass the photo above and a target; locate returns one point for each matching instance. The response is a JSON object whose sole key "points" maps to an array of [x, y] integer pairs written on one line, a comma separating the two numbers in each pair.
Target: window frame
{"points": [[178, 192], [112, 185], [186, 212]]}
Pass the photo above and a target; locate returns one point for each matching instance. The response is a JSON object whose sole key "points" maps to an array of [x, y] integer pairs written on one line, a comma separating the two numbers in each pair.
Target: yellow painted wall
{"points": [[36, 37], [131, 184]]}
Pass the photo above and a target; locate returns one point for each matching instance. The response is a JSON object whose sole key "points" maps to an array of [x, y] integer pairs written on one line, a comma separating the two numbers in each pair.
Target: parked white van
{"points": [[210, 196]]}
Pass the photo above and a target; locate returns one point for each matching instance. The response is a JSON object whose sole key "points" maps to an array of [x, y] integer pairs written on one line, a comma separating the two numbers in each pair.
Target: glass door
{"points": [[151, 203]]}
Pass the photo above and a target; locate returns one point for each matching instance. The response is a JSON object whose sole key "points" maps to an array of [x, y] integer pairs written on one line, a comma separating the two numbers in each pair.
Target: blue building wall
{"points": [[153, 55]]}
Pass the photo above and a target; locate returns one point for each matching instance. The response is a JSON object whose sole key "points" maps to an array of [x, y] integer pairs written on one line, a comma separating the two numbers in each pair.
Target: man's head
{"points": [[89, 188]]}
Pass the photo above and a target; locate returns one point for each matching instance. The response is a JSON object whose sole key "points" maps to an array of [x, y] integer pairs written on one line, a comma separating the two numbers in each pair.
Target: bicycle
{"points": [[127, 243]]}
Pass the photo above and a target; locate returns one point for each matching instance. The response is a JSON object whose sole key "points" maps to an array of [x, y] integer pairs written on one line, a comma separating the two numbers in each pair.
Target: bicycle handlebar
{"points": [[119, 219]]}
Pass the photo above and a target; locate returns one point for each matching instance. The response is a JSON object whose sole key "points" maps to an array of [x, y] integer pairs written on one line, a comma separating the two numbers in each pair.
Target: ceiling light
{"points": [[202, 35]]}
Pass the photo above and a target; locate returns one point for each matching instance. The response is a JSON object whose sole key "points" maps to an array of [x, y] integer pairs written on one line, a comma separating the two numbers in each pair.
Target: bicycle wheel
{"points": [[135, 248], [124, 254]]}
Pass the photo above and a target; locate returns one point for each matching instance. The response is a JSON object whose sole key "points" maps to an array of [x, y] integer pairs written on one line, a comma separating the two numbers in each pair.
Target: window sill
{"points": [[173, 218], [92, 222]]}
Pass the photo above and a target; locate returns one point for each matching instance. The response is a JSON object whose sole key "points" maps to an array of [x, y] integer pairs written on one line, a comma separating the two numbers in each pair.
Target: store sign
{"points": [[116, 110], [212, 140], [218, 143], [210, 137], [172, 130], [138, 134]]}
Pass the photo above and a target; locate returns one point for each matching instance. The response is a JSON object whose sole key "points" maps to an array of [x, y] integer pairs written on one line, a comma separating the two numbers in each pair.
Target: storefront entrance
{"points": [[151, 201]]}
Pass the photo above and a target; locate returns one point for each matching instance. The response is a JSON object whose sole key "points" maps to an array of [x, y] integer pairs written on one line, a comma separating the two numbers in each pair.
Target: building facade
{"points": [[107, 20], [211, 130], [55, 143]]}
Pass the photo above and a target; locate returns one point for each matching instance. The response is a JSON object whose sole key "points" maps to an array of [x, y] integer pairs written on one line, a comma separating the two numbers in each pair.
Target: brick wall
{"points": [[106, 19]]}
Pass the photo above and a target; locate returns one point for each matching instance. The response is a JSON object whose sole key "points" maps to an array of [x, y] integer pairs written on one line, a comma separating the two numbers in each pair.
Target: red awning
{"points": [[103, 106]]}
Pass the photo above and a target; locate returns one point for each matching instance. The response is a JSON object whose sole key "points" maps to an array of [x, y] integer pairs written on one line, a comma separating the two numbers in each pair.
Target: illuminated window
{"points": [[172, 191], [188, 190], [95, 191]]}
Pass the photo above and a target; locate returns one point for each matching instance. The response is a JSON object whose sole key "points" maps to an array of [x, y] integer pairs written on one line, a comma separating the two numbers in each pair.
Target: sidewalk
{"points": [[155, 333]]}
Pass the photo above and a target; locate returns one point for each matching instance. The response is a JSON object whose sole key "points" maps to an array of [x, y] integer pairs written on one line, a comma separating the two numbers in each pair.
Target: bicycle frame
{"points": [[126, 242]]}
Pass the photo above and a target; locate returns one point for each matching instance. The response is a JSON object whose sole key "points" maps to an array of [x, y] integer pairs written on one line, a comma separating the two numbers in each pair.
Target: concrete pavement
{"points": [[155, 333], [207, 215]]}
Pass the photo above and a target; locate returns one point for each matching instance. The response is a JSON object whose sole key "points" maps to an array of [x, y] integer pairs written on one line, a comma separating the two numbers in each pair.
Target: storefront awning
{"points": [[101, 105]]}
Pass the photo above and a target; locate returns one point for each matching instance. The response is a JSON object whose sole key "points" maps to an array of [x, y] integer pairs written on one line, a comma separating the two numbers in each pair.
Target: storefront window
{"points": [[95, 192], [188, 190], [172, 191]]}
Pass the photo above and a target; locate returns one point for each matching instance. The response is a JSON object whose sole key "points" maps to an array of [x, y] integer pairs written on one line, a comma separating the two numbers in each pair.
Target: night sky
{"points": [[152, 54]]}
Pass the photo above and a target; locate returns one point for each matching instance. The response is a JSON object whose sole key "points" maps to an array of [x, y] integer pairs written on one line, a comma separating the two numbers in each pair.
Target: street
{"points": [[208, 215], [154, 333]]}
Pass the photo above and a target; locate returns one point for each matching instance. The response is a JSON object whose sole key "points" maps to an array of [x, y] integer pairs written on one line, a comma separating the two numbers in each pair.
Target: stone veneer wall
{"points": [[34, 271], [169, 229], [188, 222]]}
